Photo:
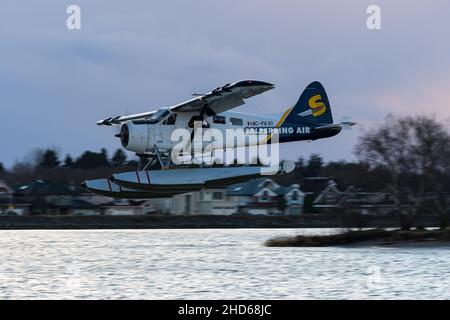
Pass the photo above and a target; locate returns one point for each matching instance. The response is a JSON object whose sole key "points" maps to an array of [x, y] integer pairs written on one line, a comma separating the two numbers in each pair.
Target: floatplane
{"points": [[164, 136]]}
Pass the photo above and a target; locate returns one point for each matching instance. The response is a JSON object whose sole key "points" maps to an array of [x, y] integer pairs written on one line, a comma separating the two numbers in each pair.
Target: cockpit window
{"points": [[155, 118], [170, 121], [158, 116]]}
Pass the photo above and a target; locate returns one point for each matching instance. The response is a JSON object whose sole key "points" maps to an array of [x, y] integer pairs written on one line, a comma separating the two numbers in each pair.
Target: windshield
{"points": [[158, 116], [155, 118]]}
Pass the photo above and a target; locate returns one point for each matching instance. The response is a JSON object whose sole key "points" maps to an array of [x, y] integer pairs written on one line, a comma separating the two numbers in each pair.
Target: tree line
{"points": [[46, 164]]}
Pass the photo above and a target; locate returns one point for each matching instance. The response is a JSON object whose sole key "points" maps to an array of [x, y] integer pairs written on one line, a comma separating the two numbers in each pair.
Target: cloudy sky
{"points": [[134, 56]]}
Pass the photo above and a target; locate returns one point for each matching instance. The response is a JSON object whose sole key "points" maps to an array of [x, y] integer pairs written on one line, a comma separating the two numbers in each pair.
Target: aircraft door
{"points": [[164, 132], [191, 127], [151, 136]]}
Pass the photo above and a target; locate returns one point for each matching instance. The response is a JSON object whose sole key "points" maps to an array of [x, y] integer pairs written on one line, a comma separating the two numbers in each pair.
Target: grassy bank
{"points": [[368, 237]]}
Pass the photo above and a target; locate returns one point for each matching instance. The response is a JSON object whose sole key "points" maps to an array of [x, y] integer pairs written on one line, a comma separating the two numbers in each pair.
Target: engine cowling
{"points": [[134, 137]]}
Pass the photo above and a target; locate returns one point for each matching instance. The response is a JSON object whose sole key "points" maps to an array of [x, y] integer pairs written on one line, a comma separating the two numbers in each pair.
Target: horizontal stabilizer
{"points": [[345, 124]]}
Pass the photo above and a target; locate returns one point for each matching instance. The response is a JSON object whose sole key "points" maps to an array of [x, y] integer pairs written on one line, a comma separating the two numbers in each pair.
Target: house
{"points": [[162, 205], [331, 199], [5, 197], [63, 205], [43, 197], [260, 196], [5, 191], [9, 204], [265, 196], [211, 201]]}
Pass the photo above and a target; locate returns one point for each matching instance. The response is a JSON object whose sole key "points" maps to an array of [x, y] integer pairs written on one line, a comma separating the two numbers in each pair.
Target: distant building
{"points": [[211, 201], [46, 198], [125, 207], [331, 199], [260, 196], [9, 204], [63, 205], [264, 196], [5, 191]]}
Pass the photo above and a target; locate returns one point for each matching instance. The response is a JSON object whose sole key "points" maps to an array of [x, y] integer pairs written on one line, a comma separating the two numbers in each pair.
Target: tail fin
{"points": [[312, 107]]}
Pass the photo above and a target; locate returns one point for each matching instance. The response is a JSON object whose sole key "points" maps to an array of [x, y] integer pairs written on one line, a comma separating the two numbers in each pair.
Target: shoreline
{"points": [[204, 222]]}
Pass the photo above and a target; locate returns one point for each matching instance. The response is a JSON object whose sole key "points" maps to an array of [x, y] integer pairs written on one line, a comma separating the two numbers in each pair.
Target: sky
{"points": [[136, 56]]}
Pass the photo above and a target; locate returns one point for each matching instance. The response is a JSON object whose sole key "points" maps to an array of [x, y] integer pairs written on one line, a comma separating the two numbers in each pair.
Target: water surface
{"points": [[210, 264]]}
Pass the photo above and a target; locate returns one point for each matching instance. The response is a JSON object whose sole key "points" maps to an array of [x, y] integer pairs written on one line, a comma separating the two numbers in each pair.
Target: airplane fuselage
{"points": [[143, 137]]}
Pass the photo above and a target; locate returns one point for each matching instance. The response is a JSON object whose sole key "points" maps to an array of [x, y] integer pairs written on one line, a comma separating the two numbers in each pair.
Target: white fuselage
{"points": [[144, 137]]}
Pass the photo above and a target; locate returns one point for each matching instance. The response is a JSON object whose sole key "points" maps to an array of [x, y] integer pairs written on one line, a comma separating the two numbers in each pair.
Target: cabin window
{"points": [[265, 196], [205, 123], [236, 121], [219, 119], [217, 195], [294, 196], [170, 121]]}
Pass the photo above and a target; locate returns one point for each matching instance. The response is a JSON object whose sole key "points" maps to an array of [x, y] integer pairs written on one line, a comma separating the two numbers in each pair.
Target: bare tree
{"points": [[414, 151], [387, 146], [429, 160]]}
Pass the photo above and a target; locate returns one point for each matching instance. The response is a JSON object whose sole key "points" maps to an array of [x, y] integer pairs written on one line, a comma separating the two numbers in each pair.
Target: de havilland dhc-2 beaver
{"points": [[149, 135]]}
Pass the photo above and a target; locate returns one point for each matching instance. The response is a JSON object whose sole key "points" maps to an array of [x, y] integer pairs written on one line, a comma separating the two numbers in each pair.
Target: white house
{"points": [[211, 201]]}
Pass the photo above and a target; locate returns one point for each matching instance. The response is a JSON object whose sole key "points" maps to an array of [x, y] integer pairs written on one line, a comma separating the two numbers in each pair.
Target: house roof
{"points": [[248, 188], [43, 188], [252, 187], [331, 187], [286, 190]]}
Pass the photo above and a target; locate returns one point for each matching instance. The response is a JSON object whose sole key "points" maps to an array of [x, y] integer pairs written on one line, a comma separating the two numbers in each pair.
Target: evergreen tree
{"points": [[314, 166], [90, 160], [68, 162], [119, 158], [49, 159]]}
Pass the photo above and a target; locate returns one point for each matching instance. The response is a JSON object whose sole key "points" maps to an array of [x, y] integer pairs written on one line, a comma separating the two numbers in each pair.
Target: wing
{"points": [[223, 98], [219, 100]]}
